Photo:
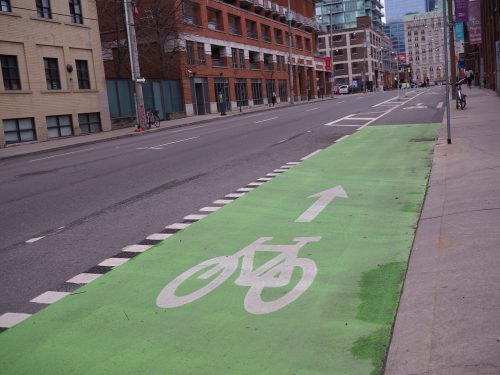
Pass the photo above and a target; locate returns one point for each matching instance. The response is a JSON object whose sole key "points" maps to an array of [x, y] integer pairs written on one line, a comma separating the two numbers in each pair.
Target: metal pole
{"points": [[447, 97], [451, 35], [332, 80], [134, 64], [290, 66], [365, 49]]}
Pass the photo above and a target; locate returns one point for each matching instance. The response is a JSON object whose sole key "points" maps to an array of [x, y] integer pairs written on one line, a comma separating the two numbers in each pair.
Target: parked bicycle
{"points": [[153, 119], [461, 101]]}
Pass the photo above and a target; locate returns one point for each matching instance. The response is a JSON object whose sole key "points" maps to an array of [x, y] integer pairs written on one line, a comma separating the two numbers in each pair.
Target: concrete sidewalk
{"points": [[448, 320], [21, 149]]}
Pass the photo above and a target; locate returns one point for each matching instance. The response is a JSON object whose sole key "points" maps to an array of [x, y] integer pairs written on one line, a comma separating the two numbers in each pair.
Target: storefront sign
{"points": [[461, 10], [459, 31], [474, 23]]}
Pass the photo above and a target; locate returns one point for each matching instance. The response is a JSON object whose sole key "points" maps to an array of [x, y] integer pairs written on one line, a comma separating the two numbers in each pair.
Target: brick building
{"points": [[236, 50], [362, 51], [52, 78]]}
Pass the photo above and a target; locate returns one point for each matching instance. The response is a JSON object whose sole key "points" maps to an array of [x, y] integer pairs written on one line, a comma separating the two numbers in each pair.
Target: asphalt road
{"points": [[89, 202]]}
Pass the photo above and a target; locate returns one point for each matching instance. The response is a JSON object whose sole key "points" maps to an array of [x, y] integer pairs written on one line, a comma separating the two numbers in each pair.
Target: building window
{"points": [[234, 24], [308, 44], [280, 64], [5, 6], [242, 59], [265, 32], [59, 126], [43, 8], [192, 13], [75, 9], [268, 62], [215, 19], [234, 57], [253, 57], [257, 91], [339, 66], [201, 54], [19, 130], [218, 58], [240, 88], [52, 73], [282, 90], [190, 52], [10, 72], [251, 27], [82, 72], [89, 122], [278, 36]]}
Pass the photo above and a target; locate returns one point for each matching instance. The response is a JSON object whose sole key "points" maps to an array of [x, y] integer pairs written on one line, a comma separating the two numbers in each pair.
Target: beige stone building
{"points": [[52, 78]]}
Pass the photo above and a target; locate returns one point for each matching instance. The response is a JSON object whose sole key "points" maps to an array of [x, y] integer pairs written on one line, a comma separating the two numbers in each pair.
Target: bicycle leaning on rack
{"points": [[152, 119], [460, 95]]}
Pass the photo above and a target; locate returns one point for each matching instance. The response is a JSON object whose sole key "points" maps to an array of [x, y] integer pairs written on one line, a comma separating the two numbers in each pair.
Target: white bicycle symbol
{"points": [[275, 273]]}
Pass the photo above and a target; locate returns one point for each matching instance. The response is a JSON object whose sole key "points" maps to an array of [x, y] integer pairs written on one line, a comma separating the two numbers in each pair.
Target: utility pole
{"points": [[134, 64], [451, 35], [290, 66], [447, 95], [332, 78]]}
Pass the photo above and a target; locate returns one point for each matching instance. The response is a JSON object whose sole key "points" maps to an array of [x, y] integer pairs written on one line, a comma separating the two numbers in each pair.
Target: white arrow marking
{"points": [[325, 197]]}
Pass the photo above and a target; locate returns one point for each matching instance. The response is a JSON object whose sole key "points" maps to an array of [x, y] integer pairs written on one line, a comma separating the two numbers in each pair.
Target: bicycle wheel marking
{"points": [[275, 273]]}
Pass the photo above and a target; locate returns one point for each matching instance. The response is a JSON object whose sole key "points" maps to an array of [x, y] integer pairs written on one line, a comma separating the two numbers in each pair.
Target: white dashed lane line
{"points": [[267, 119]]}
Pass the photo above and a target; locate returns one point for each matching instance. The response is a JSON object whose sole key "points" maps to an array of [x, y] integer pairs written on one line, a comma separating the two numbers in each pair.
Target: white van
{"points": [[344, 89]]}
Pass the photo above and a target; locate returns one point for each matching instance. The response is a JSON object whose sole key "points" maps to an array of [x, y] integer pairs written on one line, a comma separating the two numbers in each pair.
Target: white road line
{"points": [[159, 236], [179, 226], [84, 278], [49, 297], [264, 179], [343, 101], [66, 153], [255, 183], [113, 262], [223, 201], [267, 119], [158, 147], [440, 105], [359, 118], [286, 166], [312, 109], [189, 128], [245, 189], [194, 217], [280, 170], [272, 174], [209, 209], [311, 154], [8, 320], [31, 240], [293, 163], [342, 138], [345, 125], [137, 248]]}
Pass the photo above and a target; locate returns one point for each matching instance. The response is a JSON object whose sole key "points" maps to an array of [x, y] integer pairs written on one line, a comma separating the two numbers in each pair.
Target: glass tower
{"points": [[345, 12], [396, 9]]}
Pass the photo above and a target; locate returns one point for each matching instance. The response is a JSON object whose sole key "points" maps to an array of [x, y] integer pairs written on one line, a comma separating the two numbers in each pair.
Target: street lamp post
{"points": [[332, 78], [290, 66]]}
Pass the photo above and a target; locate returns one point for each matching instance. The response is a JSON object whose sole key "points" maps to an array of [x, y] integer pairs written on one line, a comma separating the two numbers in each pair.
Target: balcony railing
{"points": [[218, 62], [258, 4]]}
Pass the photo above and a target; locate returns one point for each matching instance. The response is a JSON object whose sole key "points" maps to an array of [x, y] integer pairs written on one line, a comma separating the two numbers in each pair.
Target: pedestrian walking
{"points": [[470, 77], [274, 98]]}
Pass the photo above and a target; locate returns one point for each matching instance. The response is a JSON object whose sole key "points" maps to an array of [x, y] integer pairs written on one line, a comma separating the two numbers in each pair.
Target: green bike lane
{"points": [[300, 283]]}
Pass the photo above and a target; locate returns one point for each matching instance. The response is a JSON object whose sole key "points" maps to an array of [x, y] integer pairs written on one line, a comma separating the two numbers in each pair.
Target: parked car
{"points": [[343, 89]]}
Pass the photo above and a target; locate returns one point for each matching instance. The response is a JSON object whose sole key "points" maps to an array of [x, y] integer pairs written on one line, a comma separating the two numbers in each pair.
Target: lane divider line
{"points": [[267, 119], [31, 240], [50, 297], [311, 155]]}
